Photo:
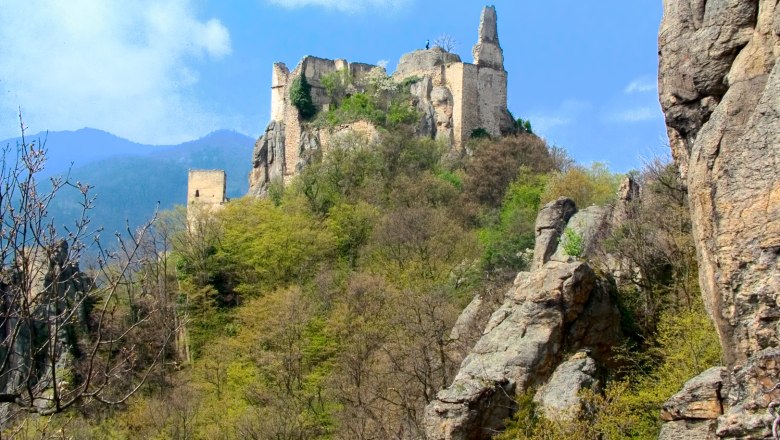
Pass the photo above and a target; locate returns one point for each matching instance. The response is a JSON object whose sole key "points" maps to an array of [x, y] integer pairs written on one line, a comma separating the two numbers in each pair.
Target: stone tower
{"points": [[206, 188]]}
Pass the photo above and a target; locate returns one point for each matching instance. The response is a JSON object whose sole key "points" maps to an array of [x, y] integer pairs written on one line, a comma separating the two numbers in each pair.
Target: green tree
{"points": [[586, 186], [300, 96], [265, 246]]}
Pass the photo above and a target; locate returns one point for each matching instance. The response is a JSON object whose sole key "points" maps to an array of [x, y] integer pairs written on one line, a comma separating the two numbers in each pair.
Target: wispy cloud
{"points": [[643, 84], [638, 114], [565, 114], [544, 124], [126, 67], [342, 5]]}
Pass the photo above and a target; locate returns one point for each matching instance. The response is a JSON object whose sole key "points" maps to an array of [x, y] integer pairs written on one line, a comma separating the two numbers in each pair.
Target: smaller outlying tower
{"points": [[206, 188]]}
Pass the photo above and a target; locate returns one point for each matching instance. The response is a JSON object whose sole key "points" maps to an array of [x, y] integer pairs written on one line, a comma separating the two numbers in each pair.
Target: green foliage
{"points": [[351, 226], [505, 241], [572, 243], [586, 186], [497, 163], [265, 246], [300, 97], [380, 100], [524, 126], [400, 112], [479, 133], [359, 106], [325, 311], [335, 84]]}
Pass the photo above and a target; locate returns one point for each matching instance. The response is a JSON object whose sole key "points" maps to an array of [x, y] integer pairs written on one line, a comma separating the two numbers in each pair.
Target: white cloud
{"points": [[565, 114], [543, 124], [643, 84], [342, 5], [125, 67], [638, 114]]}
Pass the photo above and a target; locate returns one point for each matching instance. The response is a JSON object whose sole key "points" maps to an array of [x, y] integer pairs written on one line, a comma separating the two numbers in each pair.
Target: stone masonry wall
{"points": [[206, 187]]}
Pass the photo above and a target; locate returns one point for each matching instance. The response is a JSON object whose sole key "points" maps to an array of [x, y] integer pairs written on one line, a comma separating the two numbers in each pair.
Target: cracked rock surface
{"points": [[719, 86]]}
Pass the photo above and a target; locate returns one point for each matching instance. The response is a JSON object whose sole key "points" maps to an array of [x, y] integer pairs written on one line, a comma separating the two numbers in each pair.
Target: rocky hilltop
{"points": [[453, 97], [719, 85]]}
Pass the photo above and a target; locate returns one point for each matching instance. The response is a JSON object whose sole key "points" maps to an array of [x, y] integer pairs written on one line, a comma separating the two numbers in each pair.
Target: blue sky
{"points": [[166, 71]]}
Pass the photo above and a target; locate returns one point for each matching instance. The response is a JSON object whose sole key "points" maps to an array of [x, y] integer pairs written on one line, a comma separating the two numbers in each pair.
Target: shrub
{"points": [[586, 186], [479, 133], [496, 163], [524, 126], [300, 96], [572, 243], [336, 84], [359, 106], [401, 113], [514, 231]]}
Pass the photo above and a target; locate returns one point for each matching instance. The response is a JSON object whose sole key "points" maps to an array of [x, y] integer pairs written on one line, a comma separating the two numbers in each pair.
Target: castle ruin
{"points": [[206, 188], [455, 98]]}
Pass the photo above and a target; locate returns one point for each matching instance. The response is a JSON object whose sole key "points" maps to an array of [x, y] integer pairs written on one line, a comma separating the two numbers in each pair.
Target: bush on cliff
{"points": [[300, 97]]}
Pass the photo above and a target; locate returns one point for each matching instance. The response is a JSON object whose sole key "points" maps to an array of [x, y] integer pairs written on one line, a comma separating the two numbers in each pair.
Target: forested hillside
{"points": [[325, 309]]}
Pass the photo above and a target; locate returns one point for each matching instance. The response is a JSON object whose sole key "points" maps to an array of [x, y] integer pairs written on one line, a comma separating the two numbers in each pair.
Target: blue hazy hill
{"points": [[130, 179]]}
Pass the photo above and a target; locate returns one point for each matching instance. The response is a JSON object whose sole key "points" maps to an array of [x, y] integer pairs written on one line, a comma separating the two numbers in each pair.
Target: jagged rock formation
{"points": [[558, 307], [453, 97], [37, 335], [550, 221], [719, 85]]}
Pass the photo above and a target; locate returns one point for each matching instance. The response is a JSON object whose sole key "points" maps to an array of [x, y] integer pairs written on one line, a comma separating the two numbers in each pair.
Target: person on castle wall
{"points": [[427, 44]]}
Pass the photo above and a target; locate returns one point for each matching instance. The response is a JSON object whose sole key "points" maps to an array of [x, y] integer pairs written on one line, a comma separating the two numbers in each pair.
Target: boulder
{"points": [[560, 398], [688, 430], [590, 224], [699, 399]]}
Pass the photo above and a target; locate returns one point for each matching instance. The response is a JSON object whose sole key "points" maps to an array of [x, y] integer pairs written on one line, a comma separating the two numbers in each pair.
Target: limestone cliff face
{"points": [[719, 85]]}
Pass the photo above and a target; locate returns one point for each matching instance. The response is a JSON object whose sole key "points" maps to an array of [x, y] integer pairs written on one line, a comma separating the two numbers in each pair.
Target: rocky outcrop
{"points": [[550, 222], [38, 337], [561, 397], [423, 62], [267, 159], [591, 224], [699, 399], [556, 308], [719, 85]]}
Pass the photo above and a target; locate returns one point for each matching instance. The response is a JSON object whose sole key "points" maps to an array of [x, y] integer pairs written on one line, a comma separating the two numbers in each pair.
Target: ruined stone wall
{"points": [[206, 187], [491, 91], [314, 68], [462, 82], [279, 95]]}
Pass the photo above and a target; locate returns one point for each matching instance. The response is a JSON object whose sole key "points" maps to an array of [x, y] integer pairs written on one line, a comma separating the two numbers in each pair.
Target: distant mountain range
{"points": [[130, 179]]}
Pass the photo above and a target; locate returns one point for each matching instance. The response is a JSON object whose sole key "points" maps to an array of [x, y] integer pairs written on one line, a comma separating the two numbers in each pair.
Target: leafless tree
{"points": [[67, 335], [446, 42]]}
